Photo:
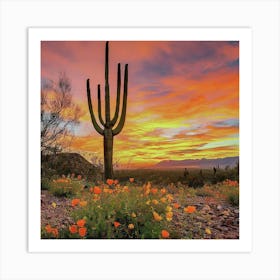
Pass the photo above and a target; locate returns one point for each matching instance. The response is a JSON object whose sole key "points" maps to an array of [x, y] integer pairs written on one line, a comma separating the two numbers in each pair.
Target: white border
{"points": [[243, 35], [262, 16]]}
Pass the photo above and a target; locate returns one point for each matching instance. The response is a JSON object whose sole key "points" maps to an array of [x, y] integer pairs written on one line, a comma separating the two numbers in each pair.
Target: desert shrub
{"points": [[195, 182], [64, 187], [45, 184], [233, 198]]}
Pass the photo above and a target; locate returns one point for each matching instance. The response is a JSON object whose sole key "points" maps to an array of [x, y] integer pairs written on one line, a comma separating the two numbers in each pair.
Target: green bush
{"points": [[45, 184], [195, 182], [233, 198], [65, 187]]}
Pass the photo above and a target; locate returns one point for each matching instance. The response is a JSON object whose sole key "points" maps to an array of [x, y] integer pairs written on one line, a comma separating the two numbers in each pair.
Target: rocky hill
{"points": [[68, 163]]}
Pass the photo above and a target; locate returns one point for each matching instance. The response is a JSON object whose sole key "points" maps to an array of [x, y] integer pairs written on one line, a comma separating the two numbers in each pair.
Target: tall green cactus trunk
{"points": [[110, 128], [108, 153]]}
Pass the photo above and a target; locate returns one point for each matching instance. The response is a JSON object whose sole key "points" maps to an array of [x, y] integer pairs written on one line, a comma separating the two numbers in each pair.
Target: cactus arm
{"points": [[120, 125], [114, 120], [95, 124], [107, 90], [99, 106]]}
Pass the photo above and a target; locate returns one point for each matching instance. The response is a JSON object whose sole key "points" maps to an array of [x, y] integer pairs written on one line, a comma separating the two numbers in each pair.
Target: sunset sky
{"points": [[183, 97]]}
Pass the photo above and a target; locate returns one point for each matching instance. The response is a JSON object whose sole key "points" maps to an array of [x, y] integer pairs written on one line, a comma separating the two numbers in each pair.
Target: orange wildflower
{"points": [[147, 188], [97, 190], [54, 232], [163, 199], [154, 201], [169, 216], [82, 231], [154, 190], [75, 202], [116, 182], [190, 209], [163, 191], [110, 182], [83, 203], [73, 229], [81, 222], [125, 189], [48, 228], [164, 233], [157, 217], [169, 197], [176, 205], [131, 180], [116, 224], [79, 177]]}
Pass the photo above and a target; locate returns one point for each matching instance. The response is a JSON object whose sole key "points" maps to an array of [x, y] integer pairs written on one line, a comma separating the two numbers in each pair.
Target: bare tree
{"points": [[59, 115]]}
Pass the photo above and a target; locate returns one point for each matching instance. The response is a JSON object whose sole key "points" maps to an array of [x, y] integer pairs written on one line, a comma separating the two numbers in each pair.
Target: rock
{"points": [[219, 207], [226, 212], [206, 208]]}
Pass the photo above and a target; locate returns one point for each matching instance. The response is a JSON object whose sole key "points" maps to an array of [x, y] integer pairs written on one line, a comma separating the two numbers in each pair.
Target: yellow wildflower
{"points": [[168, 208], [131, 226], [169, 216], [133, 215], [157, 217]]}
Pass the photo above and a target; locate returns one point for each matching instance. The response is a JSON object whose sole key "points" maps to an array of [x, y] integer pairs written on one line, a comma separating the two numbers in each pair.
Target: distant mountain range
{"points": [[199, 163]]}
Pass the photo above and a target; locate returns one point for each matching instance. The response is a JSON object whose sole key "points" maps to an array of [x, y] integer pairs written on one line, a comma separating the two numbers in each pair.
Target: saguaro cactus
{"points": [[109, 128]]}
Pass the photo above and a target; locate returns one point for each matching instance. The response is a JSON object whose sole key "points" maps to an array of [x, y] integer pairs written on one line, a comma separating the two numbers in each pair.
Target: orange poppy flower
{"points": [[82, 231], [176, 205], [54, 232], [163, 191], [190, 209], [81, 223], [79, 177], [110, 182], [157, 217], [169, 197], [116, 224], [125, 189], [154, 201], [83, 203], [164, 233], [97, 190], [116, 182], [154, 190], [131, 180], [48, 228], [73, 229], [169, 216], [75, 202]]}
